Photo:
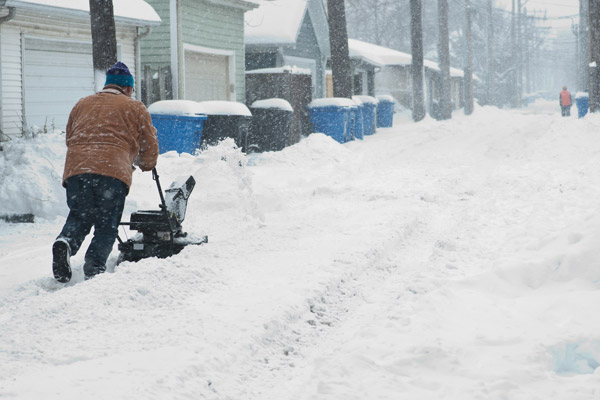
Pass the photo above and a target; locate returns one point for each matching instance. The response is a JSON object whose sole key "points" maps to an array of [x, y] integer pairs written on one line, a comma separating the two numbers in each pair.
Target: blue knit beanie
{"points": [[119, 74]]}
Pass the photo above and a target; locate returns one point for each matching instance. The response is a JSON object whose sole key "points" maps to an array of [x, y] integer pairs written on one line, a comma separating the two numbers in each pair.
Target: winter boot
{"points": [[91, 269], [61, 264]]}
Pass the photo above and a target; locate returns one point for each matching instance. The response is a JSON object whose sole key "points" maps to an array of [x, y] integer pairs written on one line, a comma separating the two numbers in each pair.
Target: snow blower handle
{"points": [[163, 205]]}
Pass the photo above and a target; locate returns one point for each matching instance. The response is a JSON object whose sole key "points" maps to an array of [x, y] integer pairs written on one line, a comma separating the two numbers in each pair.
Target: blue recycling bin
{"points": [[332, 117], [385, 111], [179, 125], [357, 121], [369, 113], [180, 133], [582, 102]]}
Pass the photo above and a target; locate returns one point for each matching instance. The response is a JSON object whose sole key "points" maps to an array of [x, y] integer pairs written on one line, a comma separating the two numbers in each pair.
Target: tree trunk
{"points": [[416, 40], [594, 46], [490, 38], [469, 61], [444, 54], [104, 40], [340, 59]]}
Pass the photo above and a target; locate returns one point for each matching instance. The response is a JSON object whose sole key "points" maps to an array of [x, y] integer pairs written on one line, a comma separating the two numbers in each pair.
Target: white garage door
{"points": [[206, 76], [56, 75]]}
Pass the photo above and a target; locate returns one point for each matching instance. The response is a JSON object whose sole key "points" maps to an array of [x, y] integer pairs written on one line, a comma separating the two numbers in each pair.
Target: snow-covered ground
{"points": [[438, 260]]}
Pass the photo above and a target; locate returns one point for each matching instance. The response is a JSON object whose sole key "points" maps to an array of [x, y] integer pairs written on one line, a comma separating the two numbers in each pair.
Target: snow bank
{"points": [[31, 176]]}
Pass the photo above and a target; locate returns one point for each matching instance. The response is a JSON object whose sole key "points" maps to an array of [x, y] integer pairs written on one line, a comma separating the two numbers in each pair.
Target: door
{"points": [[56, 74], [206, 76]]}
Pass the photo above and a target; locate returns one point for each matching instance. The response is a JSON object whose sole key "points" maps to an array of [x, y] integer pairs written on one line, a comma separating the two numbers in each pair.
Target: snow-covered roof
{"points": [[274, 22], [136, 12], [382, 56], [278, 23], [287, 68]]}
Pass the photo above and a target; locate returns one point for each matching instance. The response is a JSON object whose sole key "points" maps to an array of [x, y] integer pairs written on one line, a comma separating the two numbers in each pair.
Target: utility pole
{"points": [[444, 55], [594, 46], [104, 39], [582, 63], [469, 61], [519, 54], [416, 44], [340, 59], [491, 69]]}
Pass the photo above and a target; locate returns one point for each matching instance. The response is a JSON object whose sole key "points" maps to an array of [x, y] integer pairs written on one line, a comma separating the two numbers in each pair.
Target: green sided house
{"points": [[197, 53], [46, 62], [292, 33]]}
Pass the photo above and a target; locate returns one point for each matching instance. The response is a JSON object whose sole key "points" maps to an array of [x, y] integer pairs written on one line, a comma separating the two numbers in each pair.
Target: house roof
{"points": [[382, 56], [275, 22], [136, 12]]}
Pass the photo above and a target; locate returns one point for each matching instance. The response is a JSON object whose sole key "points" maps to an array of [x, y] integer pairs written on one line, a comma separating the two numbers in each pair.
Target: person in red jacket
{"points": [[107, 133], [565, 102]]}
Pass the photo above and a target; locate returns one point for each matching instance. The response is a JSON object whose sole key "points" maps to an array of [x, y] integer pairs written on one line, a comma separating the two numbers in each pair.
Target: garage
{"points": [[56, 74], [207, 76]]}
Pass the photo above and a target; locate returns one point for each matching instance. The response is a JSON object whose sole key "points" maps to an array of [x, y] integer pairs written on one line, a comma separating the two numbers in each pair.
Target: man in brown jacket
{"points": [[107, 133]]}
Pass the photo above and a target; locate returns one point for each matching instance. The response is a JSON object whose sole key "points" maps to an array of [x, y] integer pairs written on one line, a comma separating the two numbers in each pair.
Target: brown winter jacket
{"points": [[107, 133]]}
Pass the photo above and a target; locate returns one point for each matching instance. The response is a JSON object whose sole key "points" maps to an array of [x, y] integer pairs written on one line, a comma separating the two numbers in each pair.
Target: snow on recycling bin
{"points": [[332, 116], [226, 119], [271, 123], [179, 125]]}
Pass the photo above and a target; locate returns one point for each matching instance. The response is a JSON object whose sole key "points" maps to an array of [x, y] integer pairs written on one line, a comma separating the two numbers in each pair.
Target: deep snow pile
{"points": [[438, 260]]}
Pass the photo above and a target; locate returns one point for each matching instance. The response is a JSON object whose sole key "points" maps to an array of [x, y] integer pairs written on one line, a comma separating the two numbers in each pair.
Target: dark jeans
{"points": [[94, 200], [566, 111]]}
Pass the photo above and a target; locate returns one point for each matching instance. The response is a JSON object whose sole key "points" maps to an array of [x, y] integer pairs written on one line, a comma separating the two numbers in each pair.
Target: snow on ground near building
{"points": [[438, 260]]}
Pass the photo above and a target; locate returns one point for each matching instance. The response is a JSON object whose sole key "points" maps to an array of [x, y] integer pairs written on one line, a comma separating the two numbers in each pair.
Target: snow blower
{"points": [[159, 231]]}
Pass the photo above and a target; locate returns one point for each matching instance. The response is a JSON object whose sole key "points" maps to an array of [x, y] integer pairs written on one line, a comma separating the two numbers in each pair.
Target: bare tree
{"points": [[416, 40], [594, 46], [104, 39], [340, 59], [444, 56]]}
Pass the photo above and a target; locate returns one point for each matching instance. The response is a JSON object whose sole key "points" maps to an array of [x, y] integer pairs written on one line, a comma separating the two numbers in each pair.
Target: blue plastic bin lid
{"points": [[582, 95]]}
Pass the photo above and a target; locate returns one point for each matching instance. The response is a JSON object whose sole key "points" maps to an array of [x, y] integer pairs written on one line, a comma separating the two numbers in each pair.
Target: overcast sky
{"points": [[554, 8]]}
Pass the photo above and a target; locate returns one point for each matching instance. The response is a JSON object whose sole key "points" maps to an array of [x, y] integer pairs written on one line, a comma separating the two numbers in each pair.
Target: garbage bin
{"points": [[331, 116], [179, 125], [369, 112], [358, 119], [582, 100], [271, 123], [225, 119], [385, 111]]}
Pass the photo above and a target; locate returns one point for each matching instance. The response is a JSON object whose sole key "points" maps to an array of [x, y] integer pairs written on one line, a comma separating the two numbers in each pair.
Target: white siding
{"points": [[42, 26]]}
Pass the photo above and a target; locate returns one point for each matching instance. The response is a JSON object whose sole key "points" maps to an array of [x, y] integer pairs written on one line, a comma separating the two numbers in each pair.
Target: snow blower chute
{"points": [[160, 232]]}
